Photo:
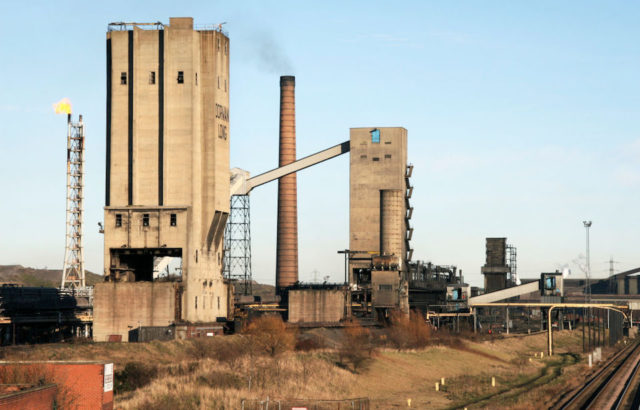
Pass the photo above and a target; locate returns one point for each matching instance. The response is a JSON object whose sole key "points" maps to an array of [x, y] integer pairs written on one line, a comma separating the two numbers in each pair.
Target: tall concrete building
{"points": [[379, 216], [167, 176]]}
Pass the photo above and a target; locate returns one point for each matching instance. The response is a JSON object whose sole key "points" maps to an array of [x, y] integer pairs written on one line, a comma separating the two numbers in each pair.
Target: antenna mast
{"points": [[73, 271]]}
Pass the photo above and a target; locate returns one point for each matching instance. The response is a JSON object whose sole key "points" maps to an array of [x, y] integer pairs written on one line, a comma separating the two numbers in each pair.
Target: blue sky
{"points": [[522, 120]]}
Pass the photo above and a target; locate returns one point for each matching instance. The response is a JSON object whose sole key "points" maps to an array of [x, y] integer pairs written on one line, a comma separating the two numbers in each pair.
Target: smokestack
{"points": [[287, 246]]}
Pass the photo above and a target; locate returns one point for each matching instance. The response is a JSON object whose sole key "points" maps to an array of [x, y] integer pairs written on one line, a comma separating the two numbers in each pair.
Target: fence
{"points": [[305, 404]]}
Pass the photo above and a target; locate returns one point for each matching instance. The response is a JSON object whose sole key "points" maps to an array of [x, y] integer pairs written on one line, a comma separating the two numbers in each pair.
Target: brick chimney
{"points": [[287, 245]]}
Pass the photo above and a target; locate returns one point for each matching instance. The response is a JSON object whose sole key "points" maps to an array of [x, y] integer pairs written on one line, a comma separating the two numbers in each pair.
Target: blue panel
{"points": [[375, 136]]}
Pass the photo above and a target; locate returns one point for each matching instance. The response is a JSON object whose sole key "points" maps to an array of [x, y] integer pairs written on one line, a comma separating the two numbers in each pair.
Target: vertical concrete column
{"points": [[287, 245], [392, 229]]}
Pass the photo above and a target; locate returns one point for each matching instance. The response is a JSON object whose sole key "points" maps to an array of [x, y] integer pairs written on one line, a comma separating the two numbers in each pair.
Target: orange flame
{"points": [[63, 106]]}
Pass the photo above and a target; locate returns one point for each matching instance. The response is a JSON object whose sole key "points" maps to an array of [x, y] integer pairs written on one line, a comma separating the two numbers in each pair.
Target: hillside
{"points": [[26, 276]]}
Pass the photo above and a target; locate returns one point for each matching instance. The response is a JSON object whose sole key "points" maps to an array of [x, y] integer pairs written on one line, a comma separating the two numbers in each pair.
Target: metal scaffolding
{"points": [[73, 270], [237, 243], [512, 258]]}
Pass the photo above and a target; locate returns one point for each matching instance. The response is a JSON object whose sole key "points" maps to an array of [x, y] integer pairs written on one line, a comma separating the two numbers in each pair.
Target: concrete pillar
{"points": [[507, 320], [287, 241], [475, 321]]}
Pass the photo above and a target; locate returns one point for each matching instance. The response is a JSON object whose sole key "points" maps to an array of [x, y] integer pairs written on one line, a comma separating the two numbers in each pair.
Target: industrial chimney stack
{"points": [[287, 246]]}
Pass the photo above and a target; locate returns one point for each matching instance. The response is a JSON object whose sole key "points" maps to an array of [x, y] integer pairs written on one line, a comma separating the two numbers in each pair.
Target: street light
{"points": [[587, 225]]}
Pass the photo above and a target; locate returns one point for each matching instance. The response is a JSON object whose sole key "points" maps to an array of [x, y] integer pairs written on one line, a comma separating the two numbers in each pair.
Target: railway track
{"points": [[613, 386]]}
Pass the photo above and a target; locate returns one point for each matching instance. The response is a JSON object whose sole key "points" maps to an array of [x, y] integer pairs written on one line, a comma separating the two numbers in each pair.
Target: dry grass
{"points": [[218, 373]]}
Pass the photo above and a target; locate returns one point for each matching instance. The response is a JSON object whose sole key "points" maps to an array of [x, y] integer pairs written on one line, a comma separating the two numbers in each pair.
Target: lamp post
{"points": [[587, 225]]}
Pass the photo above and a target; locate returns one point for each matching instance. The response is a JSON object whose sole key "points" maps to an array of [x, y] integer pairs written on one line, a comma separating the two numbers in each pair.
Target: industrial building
{"points": [[379, 214], [170, 193], [167, 176]]}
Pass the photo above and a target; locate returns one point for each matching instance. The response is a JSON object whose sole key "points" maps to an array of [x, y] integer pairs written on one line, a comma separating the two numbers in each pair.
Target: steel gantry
{"points": [[73, 271], [237, 241], [551, 307]]}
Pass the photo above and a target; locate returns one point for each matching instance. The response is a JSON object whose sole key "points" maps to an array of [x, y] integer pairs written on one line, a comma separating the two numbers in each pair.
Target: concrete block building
{"points": [[167, 175], [379, 216]]}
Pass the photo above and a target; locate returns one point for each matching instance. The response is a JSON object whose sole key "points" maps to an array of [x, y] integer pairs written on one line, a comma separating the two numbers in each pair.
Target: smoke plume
{"points": [[269, 55]]}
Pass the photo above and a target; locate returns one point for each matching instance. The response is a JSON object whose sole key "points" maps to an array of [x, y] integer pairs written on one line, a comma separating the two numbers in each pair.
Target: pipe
{"points": [[287, 240]]}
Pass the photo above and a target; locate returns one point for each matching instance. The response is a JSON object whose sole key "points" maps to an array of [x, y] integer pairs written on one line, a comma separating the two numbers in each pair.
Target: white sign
{"points": [[108, 377]]}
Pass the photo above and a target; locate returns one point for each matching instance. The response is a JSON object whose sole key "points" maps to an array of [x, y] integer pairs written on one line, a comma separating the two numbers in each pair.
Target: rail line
{"points": [[613, 386]]}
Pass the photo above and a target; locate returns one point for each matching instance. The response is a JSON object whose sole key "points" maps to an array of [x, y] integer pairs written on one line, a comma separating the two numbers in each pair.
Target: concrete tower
{"points": [[379, 218], [167, 176]]}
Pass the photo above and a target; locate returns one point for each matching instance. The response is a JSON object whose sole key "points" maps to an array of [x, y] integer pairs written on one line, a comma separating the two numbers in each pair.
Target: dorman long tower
{"points": [[167, 177]]}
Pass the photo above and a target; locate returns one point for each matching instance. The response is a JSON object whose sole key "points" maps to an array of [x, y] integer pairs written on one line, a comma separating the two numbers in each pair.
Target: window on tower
{"points": [[118, 220], [123, 78], [152, 77], [145, 219], [180, 77], [375, 136]]}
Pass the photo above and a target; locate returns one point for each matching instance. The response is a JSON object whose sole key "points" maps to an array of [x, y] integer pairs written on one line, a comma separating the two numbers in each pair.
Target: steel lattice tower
{"points": [[237, 243], [73, 271]]}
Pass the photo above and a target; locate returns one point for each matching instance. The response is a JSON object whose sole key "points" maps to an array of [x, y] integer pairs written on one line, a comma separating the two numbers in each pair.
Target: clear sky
{"points": [[522, 119]]}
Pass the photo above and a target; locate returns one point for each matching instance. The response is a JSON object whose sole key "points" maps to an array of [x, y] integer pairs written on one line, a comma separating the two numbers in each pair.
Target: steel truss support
{"points": [[73, 270], [237, 243]]}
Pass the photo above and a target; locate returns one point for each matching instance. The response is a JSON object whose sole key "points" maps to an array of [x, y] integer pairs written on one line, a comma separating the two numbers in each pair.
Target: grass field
{"points": [[218, 373]]}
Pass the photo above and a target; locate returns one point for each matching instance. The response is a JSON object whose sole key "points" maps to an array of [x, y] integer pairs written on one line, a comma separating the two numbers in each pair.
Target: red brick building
{"points": [[28, 397], [80, 385]]}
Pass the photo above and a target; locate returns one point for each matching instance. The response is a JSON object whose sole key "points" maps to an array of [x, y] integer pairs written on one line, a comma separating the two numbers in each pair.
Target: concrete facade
{"points": [[120, 307], [379, 219], [377, 177], [167, 176], [495, 270], [316, 305]]}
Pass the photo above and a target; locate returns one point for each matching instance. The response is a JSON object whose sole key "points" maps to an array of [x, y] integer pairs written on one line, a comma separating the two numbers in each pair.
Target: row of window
{"points": [[204, 302], [180, 78], [386, 156], [173, 220]]}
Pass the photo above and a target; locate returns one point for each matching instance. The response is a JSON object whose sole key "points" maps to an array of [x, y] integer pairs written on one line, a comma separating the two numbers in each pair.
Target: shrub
{"points": [[201, 348], [231, 352], [308, 343], [173, 401], [446, 338], [408, 332], [133, 376], [220, 379], [356, 348], [270, 335]]}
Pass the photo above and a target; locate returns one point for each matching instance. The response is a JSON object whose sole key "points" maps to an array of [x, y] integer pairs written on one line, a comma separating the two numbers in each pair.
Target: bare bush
{"points": [[231, 352], [356, 348], [408, 332], [221, 380], [307, 344], [173, 401], [270, 335], [446, 338], [133, 376], [201, 348]]}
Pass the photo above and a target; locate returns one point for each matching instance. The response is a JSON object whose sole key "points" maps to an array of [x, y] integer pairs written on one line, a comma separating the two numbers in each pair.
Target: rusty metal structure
{"points": [[287, 242], [73, 270]]}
